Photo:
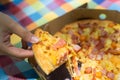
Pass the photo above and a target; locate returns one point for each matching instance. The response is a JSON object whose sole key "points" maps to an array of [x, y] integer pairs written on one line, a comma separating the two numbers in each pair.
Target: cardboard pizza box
{"points": [[52, 27], [80, 14]]}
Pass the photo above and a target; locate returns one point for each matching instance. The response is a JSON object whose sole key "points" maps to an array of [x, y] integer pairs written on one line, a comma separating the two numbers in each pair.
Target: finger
{"points": [[16, 52], [12, 57], [14, 27], [6, 40], [23, 33], [20, 53]]}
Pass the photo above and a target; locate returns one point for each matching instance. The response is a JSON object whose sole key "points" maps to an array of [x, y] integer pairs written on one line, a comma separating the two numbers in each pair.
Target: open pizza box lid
{"points": [[52, 27]]}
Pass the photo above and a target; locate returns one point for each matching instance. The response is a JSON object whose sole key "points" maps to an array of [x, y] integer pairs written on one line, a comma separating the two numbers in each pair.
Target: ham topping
{"points": [[104, 72], [88, 70], [110, 75], [76, 47], [60, 43]]}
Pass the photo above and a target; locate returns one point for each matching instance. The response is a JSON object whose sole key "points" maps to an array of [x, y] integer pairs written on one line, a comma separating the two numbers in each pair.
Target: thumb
{"points": [[25, 34], [16, 52]]}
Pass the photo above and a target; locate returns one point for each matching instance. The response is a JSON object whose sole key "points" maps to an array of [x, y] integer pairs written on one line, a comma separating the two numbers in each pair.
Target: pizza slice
{"points": [[50, 52]]}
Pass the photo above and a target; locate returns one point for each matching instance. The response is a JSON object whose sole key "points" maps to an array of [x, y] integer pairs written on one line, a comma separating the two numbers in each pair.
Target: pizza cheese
{"points": [[90, 49], [97, 46], [50, 52]]}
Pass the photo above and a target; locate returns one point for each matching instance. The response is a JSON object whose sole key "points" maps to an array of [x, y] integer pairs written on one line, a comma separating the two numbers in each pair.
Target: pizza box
{"points": [[52, 27]]}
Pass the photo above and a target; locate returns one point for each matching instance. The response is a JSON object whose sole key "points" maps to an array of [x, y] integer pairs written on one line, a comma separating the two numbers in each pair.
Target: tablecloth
{"points": [[29, 15]]}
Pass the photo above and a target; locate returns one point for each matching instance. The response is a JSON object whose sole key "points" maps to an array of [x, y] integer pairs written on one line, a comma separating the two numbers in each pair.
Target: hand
{"points": [[8, 27]]}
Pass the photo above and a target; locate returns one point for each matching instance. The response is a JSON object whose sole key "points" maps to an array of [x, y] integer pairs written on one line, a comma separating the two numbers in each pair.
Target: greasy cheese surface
{"points": [[50, 52], [100, 49]]}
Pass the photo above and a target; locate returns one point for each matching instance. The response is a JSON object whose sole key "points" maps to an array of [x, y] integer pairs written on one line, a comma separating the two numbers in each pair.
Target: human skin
{"points": [[7, 27]]}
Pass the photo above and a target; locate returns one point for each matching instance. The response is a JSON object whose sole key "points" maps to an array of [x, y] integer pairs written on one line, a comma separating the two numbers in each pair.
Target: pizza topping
{"points": [[76, 68], [104, 72], [70, 32], [114, 44], [110, 75], [82, 37], [93, 78], [99, 57], [98, 74], [75, 39], [92, 56], [94, 51], [62, 58], [103, 32], [50, 52], [109, 30], [93, 41], [108, 43], [94, 74], [76, 47], [80, 31], [99, 45], [88, 70], [86, 31], [60, 43], [114, 51], [111, 24]]}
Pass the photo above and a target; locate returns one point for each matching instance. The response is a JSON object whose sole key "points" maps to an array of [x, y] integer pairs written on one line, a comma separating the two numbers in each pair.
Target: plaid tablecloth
{"points": [[32, 14]]}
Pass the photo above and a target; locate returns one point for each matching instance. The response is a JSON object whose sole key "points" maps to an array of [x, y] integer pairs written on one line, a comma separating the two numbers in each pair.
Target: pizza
{"points": [[50, 52], [89, 48], [97, 49]]}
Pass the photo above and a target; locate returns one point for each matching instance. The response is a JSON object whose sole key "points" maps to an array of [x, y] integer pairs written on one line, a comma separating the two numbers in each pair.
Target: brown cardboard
{"points": [[75, 15], [80, 14]]}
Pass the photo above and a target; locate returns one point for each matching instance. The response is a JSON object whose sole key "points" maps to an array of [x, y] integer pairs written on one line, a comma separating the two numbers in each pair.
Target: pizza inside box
{"points": [[56, 25]]}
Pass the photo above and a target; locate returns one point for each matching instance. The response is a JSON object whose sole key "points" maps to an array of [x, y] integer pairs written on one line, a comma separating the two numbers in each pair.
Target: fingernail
{"points": [[34, 39]]}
